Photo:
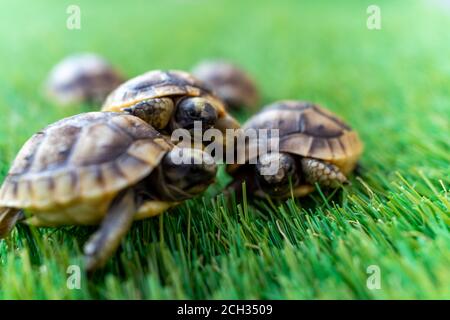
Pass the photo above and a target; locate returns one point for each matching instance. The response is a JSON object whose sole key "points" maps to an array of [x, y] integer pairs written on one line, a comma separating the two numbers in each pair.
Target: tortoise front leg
{"points": [[104, 242], [156, 112], [8, 219], [239, 177], [325, 174]]}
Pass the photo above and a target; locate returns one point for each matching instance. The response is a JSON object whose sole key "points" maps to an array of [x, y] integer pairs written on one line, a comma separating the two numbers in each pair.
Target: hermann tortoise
{"points": [[314, 147], [82, 78], [230, 82], [170, 100], [100, 168]]}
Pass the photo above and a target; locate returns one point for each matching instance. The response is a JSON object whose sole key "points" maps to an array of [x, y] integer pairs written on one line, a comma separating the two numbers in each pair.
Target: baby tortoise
{"points": [[232, 84], [170, 100], [314, 147], [84, 77], [99, 168]]}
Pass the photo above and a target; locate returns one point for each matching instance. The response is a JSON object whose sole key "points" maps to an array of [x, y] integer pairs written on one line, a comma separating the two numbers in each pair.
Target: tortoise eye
{"points": [[192, 113]]}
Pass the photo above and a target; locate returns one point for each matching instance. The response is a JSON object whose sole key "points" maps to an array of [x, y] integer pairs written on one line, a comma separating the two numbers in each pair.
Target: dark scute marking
{"points": [[92, 152], [73, 179], [144, 85], [120, 130], [51, 184], [334, 119], [15, 186], [178, 80], [30, 188], [25, 158], [71, 134], [130, 161], [316, 128], [113, 153], [125, 94], [301, 123], [159, 79], [55, 150], [329, 147], [319, 130], [116, 169], [137, 130], [141, 162], [344, 149], [286, 124], [99, 178], [149, 81], [286, 120], [171, 78], [317, 144]]}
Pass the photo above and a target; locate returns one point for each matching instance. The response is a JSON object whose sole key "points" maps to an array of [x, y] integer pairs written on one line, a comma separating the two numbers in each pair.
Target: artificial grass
{"points": [[392, 85]]}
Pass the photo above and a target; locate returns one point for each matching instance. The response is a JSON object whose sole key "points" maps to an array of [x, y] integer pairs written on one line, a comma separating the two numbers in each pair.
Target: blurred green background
{"points": [[392, 85]]}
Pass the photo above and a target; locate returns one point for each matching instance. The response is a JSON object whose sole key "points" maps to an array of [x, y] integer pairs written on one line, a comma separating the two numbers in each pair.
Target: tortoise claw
{"points": [[115, 225]]}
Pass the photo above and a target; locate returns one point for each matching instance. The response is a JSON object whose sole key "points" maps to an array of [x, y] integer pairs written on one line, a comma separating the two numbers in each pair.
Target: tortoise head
{"points": [[205, 111], [186, 172], [193, 109], [276, 173]]}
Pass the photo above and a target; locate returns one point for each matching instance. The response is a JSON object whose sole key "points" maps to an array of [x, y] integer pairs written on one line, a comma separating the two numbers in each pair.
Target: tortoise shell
{"points": [[84, 77], [70, 171], [158, 84], [308, 130], [230, 82]]}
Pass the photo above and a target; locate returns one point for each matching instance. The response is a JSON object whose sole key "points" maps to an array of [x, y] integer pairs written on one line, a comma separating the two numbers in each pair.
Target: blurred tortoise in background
{"points": [[170, 100], [314, 147], [230, 82], [99, 168], [82, 78]]}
